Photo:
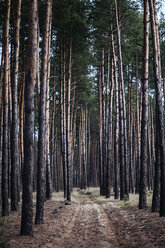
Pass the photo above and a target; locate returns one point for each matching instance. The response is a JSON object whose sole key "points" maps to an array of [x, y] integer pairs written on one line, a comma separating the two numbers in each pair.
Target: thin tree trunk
{"points": [[116, 138], [110, 128], [144, 121], [68, 129], [104, 159], [48, 168], [14, 133], [124, 155], [100, 134], [5, 204], [137, 127]]}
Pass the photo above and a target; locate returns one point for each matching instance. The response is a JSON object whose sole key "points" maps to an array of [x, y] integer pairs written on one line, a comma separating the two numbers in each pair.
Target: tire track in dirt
{"points": [[89, 223], [106, 228], [91, 228]]}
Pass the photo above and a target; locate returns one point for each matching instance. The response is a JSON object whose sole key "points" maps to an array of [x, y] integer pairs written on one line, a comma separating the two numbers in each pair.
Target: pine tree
{"points": [[5, 204], [41, 172], [27, 194], [144, 122]]}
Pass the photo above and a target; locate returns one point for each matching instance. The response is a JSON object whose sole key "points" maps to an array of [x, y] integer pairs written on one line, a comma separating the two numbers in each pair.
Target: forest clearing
{"points": [[90, 221]]}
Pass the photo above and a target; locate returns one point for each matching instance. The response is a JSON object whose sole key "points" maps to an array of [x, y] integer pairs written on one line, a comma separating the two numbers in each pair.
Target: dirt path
{"points": [[89, 223], [91, 229]]}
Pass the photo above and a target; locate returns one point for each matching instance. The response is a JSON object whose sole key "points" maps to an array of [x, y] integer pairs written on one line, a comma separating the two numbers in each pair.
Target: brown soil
{"points": [[89, 222]]}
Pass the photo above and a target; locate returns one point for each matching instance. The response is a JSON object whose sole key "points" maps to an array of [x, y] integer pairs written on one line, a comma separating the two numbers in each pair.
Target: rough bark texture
{"points": [[144, 122], [27, 195], [103, 120], [63, 114], [48, 165], [137, 128], [100, 134], [41, 172], [123, 122], [156, 191], [159, 107], [14, 132], [108, 124], [116, 138], [5, 210]]}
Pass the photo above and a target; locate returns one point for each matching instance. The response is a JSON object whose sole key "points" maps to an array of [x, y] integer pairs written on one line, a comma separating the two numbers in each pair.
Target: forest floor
{"points": [[90, 221]]}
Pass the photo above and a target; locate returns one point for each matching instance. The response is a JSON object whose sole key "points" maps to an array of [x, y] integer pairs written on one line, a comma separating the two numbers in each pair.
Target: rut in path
{"points": [[88, 223], [91, 229]]}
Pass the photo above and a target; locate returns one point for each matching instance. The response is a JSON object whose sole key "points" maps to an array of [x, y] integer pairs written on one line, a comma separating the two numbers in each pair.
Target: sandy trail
{"points": [[88, 224]]}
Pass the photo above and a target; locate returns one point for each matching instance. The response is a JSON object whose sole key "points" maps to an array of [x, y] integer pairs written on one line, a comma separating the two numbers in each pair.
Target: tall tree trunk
{"points": [[48, 168], [41, 172], [21, 118], [110, 126], [14, 133], [9, 131], [130, 136], [104, 160], [159, 108], [64, 121], [108, 137], [116, 138], [144, 121], [27, 195], [68, 129], [1, 121], [124, 155], [138, 128], [100, 134], [5, 204]]}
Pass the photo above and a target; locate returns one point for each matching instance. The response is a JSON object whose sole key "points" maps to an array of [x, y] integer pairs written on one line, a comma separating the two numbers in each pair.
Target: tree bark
{"points": [[116, 138], [5, 204], [14, 133], [41, 172], [144, 121], [123, 122], [100, 134], [68, 125], [48, 168], [159, 107], [27, 195]]}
